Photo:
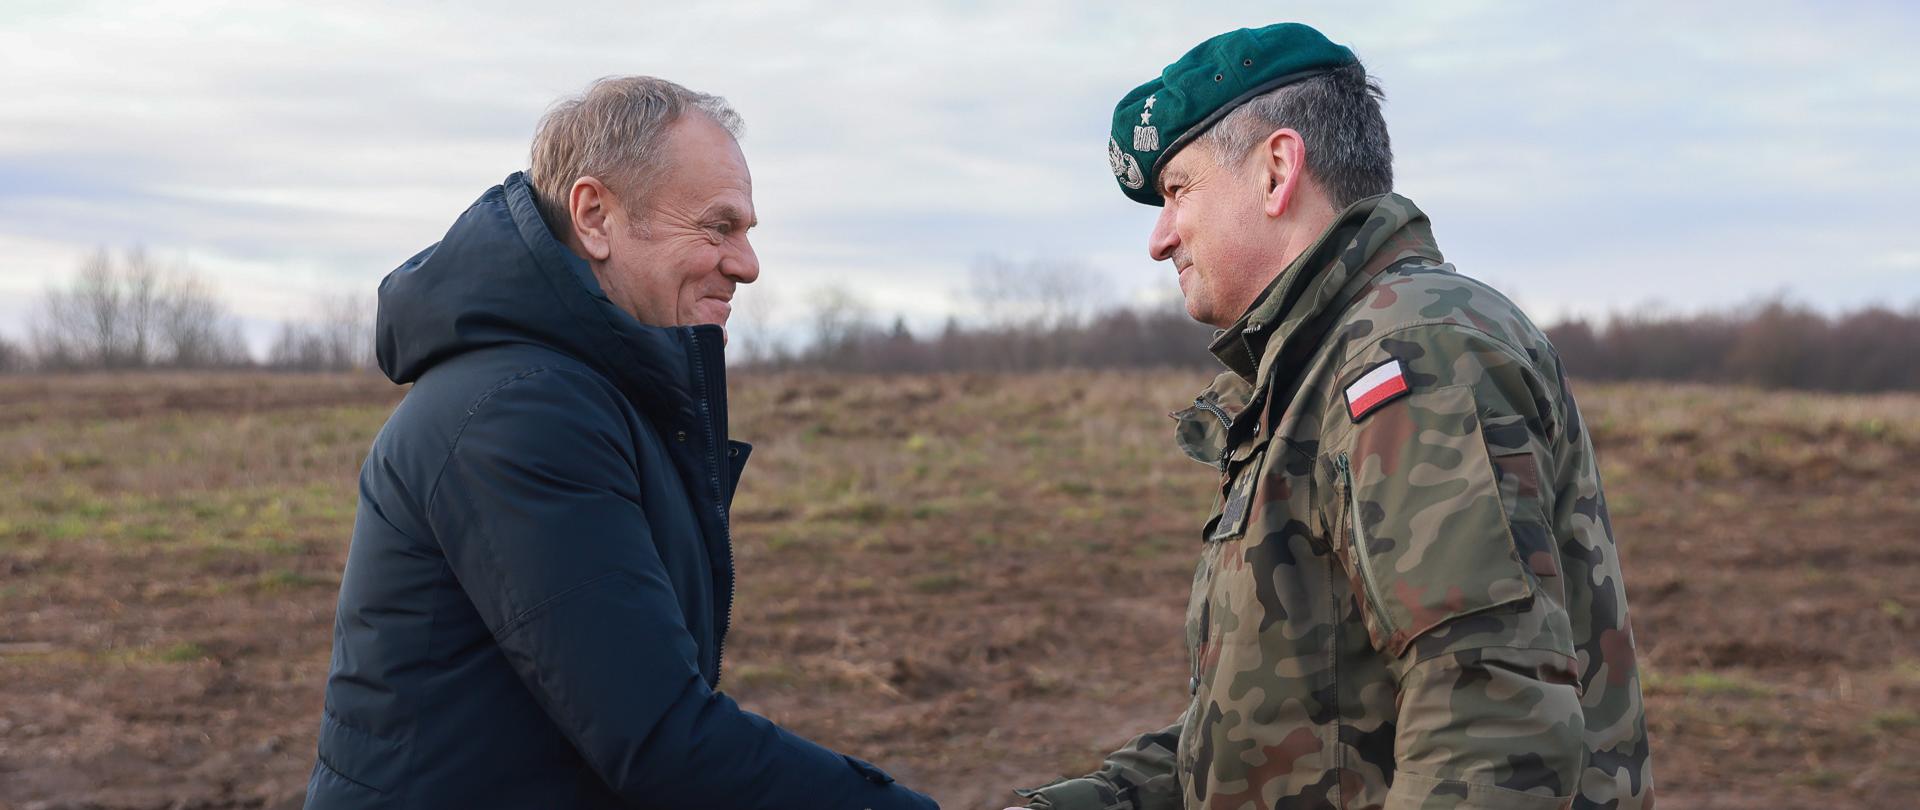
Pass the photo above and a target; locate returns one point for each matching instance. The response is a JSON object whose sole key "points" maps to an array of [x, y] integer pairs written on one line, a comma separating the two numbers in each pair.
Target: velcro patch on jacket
{"points": [[1379, 386]]}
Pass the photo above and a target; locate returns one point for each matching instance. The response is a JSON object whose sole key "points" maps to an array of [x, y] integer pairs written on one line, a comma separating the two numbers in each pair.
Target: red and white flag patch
{"points": [[1379, 386]]}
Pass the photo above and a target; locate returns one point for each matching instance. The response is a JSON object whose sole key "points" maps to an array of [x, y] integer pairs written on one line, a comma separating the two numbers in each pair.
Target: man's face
{"points": [[677, 260], [1211, 228]]}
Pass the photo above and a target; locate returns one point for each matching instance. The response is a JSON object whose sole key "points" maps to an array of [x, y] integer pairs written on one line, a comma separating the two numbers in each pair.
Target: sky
{"points": [[1586, 158]]}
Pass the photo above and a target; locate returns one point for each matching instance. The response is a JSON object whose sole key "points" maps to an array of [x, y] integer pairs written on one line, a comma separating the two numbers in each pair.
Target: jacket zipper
{"points": [[1206, 629], [1226, 424], [1359, 544], [719, 504]]}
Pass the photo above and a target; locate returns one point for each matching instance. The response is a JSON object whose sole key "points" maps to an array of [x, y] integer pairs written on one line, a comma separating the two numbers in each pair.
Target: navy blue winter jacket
{"points": [[541, 575]]}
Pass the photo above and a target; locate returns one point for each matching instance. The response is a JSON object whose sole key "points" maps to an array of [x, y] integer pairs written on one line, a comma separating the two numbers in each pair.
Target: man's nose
{"points": [[1163, 240], [744, 266]]}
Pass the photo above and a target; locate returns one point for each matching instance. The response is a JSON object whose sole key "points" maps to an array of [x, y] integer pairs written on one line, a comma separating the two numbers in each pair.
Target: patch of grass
{"points": [[749, 675], [1893, 721], [68, 527], [281, 579], [1074, 488], [182, 652], [853, 507], [1148, 547], [81, 460], [1908, 669], [783, 541], [1705, 683], [938, 583], [154, 533]]}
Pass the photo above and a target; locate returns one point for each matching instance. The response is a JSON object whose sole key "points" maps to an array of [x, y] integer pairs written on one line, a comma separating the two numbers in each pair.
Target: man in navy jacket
{"points": [[541, 575]]}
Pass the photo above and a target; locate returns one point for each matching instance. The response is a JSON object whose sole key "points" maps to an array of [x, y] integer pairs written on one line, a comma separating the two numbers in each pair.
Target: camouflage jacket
{"points": [[1409, 602]]}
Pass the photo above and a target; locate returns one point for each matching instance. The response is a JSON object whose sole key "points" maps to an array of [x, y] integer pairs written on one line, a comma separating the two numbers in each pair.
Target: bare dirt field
{"points": [[975, 581]]}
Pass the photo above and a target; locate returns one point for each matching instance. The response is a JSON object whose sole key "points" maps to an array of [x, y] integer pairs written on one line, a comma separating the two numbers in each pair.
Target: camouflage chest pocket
{"points": [[1214, 580], [1423, 533], [1237, 495]]}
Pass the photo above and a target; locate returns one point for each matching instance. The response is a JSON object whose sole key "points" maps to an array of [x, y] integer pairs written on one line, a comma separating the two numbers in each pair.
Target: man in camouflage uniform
{"points": [[1409, 594]]}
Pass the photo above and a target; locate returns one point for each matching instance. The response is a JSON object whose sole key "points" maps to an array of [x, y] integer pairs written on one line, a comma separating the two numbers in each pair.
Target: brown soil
{"points": [[975, 581]]}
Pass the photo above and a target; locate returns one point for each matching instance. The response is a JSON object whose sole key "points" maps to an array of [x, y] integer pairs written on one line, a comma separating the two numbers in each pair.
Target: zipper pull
{"points": [[1226, 426]]}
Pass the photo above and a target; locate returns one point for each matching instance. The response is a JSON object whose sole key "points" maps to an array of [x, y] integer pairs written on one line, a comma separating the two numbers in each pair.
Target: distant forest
{"points": [[1772, 345], [132, 313]]}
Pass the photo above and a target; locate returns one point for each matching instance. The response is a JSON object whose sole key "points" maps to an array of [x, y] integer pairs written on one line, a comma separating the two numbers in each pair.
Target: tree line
{"points": [[131, 312], [1773, 344], [1031, 325]]}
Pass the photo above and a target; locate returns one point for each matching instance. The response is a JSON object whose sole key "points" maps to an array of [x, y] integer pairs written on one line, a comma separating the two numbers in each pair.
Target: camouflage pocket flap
{"points": [[1516, 472], [1426, 537], [1236, 498]]}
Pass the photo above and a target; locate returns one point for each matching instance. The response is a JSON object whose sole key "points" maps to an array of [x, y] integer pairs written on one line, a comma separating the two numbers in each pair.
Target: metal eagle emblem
{"points": [[1124, 166]]}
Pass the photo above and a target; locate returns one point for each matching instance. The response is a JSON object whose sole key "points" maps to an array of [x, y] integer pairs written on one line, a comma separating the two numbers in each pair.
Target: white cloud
{"points": [[297, 149]]}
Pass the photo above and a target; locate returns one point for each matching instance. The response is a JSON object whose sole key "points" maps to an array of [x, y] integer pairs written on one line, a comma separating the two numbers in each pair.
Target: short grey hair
{"points": [[1338, 116], [613, 131]]}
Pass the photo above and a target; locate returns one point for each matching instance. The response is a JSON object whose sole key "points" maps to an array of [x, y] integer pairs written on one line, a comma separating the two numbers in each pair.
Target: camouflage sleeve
{"points": [[1445, 546], [1491, 727], [1139, 776]]}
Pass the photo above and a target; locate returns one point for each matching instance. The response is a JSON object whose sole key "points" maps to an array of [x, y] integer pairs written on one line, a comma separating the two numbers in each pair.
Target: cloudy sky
{"points": [[1587, 157]]}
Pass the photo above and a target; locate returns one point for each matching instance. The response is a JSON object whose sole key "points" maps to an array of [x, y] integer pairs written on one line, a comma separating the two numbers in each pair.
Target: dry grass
{"points": [[977, 581]]}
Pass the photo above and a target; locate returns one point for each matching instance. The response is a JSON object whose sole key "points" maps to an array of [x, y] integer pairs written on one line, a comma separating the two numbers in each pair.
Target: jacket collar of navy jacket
{"points": [[499, 276]]}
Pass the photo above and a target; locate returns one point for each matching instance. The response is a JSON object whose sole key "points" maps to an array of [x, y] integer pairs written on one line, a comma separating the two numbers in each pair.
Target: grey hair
{"points": [[1338, 116], [613, 131]]}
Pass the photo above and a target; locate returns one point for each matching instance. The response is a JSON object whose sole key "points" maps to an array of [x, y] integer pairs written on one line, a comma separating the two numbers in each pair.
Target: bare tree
{"points": [[297, 348], [339, 337], [12, 357], [1038, 294], [195, 330], [135, 314], [143, 299], [346, 322], [838, 315], [81, 326], [840, 319], [750, 331]]}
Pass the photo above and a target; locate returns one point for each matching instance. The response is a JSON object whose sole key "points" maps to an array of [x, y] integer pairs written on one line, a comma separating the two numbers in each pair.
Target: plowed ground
{"points": [[977, 582]]}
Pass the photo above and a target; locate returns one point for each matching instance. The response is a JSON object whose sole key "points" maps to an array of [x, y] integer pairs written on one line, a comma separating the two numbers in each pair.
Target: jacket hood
{"points": [[498, 277]]}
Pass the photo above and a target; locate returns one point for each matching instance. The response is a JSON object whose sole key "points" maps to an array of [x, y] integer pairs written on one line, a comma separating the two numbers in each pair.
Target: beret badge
{"points": [[1125, 168]]}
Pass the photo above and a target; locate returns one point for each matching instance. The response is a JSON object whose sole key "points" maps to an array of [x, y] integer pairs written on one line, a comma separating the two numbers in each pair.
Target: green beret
{"points": [[1168, 112]]}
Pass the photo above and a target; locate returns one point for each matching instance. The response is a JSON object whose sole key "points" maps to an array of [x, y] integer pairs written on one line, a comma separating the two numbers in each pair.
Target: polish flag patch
{"points": [[1379, 386]]}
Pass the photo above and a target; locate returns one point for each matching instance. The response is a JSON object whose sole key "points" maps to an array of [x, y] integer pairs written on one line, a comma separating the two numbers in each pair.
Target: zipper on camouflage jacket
{"points": [[1226, 425], [1357, 541]]}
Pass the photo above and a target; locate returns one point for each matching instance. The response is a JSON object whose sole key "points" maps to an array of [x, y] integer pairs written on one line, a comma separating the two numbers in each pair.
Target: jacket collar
{"points": [[1286, 324], [1366, 238]]}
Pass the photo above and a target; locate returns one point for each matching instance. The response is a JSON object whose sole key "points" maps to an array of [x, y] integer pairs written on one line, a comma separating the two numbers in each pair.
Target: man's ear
{"points": [[591, 206], [1283, 161]]}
